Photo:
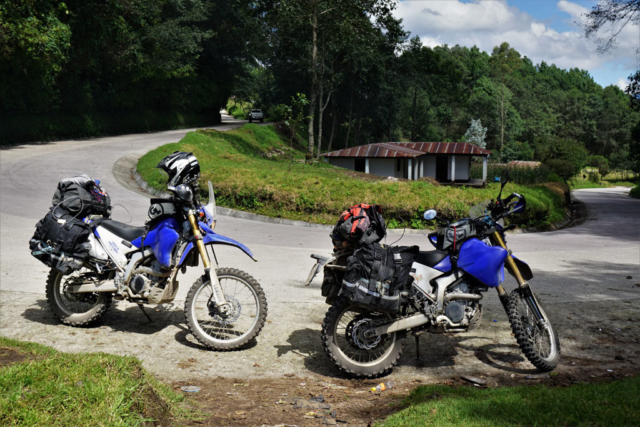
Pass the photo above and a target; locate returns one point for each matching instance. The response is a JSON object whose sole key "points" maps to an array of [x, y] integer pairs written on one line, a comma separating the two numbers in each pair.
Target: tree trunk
{"points": [[321, 109], [356, 137], [346, 140], [502, 117], [413, 114], [314, 81], [334, 121]]}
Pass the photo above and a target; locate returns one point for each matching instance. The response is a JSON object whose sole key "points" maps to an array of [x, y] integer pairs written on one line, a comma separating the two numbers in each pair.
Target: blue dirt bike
{"points": [[444, 294], [224, 309]]}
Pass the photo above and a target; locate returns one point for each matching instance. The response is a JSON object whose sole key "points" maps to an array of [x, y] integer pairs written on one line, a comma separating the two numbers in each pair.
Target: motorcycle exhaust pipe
{"points": [[400, 325], [468, 297], [151, 272], [104, 286]]}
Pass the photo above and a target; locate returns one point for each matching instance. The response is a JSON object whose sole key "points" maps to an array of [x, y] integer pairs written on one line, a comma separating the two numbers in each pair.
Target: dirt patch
{"points": [[10, 356], [293, 400]]}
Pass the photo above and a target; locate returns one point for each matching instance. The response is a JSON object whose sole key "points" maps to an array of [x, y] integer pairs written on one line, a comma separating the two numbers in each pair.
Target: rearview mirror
{"points": [[504, 177], [430, 214]]}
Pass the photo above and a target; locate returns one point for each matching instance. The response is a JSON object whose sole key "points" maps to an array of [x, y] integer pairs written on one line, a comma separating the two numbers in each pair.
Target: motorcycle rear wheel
{"points": [[337, 339], [539, 343], [235, 329], [75, 309]]}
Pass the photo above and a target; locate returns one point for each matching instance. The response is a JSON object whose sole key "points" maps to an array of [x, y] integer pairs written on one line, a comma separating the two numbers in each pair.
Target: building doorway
{"points": [[442, 168]]}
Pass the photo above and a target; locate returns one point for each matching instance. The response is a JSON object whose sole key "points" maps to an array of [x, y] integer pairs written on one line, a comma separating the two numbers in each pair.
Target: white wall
{"points": [[342, 162], [462, 167], [429, 168], [383, 167]]}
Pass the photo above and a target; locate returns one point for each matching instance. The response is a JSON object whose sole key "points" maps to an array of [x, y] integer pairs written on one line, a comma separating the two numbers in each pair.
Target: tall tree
{"points": [[504, 60]]}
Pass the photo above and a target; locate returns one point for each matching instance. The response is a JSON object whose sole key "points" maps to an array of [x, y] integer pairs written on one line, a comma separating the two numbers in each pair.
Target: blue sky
{"points": [[543, 30]]}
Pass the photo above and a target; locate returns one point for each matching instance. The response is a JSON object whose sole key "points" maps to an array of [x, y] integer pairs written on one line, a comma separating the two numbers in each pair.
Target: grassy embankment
{"points": [[616, 403], [612, 179], [41, 386], [245, 178]]}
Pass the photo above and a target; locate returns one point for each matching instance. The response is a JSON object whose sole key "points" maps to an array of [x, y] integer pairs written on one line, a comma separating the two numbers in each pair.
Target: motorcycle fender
{"points": [[213, 238], [524, 268]]}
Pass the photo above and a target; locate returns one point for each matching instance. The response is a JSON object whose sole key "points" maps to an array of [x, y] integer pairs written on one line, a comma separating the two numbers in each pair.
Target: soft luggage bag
{"points": [[403, 258], [360, 224], [61, 241], [369, 280], [82, 196]]}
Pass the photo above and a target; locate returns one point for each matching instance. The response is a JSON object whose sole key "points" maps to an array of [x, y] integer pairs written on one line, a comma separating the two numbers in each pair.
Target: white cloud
{"points": [[622, 83], [489, 23]]}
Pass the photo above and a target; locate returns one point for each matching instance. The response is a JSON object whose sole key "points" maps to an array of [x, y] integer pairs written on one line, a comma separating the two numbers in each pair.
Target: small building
{"points": [[445, 161]]}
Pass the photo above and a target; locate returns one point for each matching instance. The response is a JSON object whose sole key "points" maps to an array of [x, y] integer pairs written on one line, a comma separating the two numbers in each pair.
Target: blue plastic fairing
{"points": [[162, 239], [213, 238], [484, 262]]}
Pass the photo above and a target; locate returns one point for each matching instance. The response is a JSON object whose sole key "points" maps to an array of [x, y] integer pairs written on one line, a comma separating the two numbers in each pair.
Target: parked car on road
{"points": [[256, 114]]}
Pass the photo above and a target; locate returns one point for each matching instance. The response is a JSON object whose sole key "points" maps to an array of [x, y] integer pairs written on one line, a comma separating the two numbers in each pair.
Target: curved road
{"points": [[587, 263]]}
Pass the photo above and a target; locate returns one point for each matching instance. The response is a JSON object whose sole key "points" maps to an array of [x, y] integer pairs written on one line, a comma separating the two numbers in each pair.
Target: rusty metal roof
{"points": [[409, 149]]}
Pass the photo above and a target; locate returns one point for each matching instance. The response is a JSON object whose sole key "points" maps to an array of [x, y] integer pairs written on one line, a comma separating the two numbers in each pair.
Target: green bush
{"points": [[517, 175], [594, 177], [635, 192]]}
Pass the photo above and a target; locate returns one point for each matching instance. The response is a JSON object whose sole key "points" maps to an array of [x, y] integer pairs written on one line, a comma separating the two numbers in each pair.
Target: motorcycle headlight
{"points": [[183, 192]]}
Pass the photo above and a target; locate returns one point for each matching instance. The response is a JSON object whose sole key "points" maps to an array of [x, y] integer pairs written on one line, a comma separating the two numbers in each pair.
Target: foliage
{"points": [[579, 404], [599, 162], [635, 192], [565, 157], [516, 151], [476, 134], [54, 388], [246, 178], [517, 175]]}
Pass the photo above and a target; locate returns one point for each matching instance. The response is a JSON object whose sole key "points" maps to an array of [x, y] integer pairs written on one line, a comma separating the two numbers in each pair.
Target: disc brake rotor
{"points": [[228, 318], [358, 335]]}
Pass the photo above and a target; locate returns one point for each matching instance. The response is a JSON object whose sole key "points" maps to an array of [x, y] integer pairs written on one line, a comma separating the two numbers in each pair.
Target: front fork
{"points": [[522, 284], [218, 294]]}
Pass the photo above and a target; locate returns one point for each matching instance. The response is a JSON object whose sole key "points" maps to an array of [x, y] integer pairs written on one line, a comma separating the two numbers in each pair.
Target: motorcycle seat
{"points": [[431, 258], [120, 229]]}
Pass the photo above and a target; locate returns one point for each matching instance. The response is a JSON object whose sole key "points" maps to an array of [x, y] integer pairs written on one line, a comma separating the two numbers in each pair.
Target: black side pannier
{"points": [[82, 196], [377, 275], [60, 241]]}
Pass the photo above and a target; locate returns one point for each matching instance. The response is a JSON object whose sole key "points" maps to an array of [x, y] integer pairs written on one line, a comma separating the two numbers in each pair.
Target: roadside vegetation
{"points": [[239, 109], [256, 169], [40, 386], [616, 403]]}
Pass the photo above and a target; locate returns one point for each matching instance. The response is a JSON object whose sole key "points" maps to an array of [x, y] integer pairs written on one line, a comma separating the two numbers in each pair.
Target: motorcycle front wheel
{"points": [[352, 352], [538, 340], [235, 328], [75, 309]]}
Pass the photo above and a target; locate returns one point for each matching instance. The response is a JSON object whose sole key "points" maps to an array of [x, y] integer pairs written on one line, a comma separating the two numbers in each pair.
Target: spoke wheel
{"points": [[239, 324], [538, 340], [75, 309], [351, 349]]}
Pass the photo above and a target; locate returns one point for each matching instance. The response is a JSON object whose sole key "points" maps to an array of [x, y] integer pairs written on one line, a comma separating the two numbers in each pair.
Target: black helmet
{"points": [[182, 168]]}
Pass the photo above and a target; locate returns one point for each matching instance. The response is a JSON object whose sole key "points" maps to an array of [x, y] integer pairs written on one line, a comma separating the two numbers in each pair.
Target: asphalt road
{"points": [[587, 263]]}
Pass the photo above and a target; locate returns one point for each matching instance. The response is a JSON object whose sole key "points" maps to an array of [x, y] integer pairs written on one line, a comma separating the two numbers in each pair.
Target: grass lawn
{"points": [[612, 404], [40, 386], [253, 169]]}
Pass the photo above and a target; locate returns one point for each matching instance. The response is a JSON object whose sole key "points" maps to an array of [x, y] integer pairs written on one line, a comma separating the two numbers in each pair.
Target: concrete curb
{"points": [[144, 185]]}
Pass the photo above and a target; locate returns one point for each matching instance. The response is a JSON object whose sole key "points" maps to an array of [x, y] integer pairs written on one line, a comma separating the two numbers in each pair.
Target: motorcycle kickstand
{"points": [[145, 313], [417, 336]]}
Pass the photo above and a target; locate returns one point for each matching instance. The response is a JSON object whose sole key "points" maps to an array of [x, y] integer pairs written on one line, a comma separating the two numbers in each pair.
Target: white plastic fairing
{"points": [[114, 246], [96, 250], [210, 208], [422, 275]]}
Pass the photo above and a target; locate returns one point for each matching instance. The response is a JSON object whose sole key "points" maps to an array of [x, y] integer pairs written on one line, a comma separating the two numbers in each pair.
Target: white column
{"points": [[416, 170], [484, 169], [453, 168], [409, 169], [366, 165]]}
